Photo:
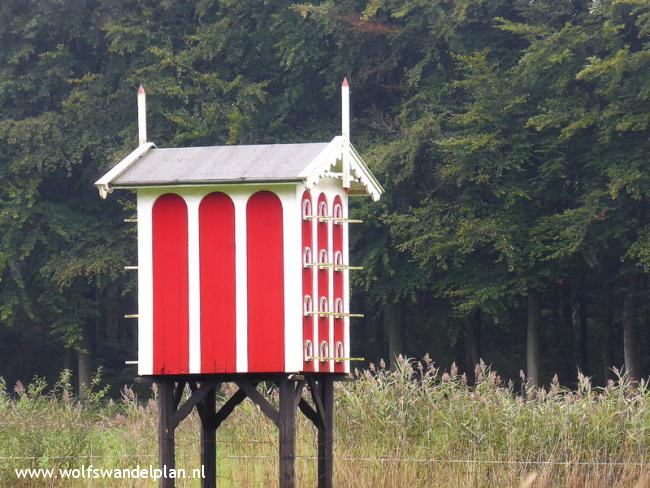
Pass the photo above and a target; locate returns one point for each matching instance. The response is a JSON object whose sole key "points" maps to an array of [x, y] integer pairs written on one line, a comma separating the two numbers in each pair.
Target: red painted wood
{"points": [[323, 278], [307, 279], [170, 286], [217, 272], [337, 246], [265, 260]]}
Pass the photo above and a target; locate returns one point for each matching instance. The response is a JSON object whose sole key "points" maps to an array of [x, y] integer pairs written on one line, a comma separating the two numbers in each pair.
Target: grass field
{"points": [[391, 431]]}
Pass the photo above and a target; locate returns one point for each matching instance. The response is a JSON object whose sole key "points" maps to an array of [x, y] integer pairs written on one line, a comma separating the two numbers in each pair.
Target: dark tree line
{"points": [[511, 135]]}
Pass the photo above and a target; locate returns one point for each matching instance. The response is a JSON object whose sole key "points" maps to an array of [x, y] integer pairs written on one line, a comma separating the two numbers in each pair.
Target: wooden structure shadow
{"points": [[203, 398]]}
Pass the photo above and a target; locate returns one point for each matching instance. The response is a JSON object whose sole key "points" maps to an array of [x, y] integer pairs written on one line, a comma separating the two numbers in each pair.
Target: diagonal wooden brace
{"points": [[309, 412], [316, 397], [257, 398], [228, 407], [185, 409]]}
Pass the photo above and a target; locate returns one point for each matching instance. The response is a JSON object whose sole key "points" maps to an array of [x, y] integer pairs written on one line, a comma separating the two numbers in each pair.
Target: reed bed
{"points": [[411, 426]]}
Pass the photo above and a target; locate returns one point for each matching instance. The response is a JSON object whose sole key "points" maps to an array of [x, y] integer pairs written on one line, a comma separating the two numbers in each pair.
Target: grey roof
{"points": [[220, 164]]}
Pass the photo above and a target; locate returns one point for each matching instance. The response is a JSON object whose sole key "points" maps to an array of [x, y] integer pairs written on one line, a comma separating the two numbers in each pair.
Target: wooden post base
{"points": [[203, 396]]}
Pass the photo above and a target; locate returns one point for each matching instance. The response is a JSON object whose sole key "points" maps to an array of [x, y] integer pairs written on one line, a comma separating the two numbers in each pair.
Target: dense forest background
{"points": [[512, 137]]}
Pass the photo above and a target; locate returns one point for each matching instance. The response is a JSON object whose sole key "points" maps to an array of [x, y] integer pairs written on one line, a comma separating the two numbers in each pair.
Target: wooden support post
{"points": [[172, 410], [287, 428], [325, 431], [166, 430], [207, 412]]}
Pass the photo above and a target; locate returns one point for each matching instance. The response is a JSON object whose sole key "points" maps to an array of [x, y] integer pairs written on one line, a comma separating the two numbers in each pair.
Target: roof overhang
{"points": [[327, 164], [104, 183]]}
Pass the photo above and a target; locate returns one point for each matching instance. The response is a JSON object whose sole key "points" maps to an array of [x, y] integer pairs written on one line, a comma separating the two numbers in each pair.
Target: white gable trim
{"points": [[335, 151], [103, 184], [322, 163], [366, 178]]}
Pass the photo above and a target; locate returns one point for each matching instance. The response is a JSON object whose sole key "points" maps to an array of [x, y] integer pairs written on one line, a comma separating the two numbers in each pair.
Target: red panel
{"points": [[337, 246], [323, 280], [264, 250], [217, 258], [170, 286], [307, 278]]}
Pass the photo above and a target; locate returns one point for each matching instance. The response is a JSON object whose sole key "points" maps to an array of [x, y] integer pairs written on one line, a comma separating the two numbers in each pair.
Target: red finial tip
{"points": [[141, 90], [345, 82]]}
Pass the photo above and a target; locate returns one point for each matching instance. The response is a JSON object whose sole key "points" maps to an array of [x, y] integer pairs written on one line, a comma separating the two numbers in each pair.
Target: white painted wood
{"points": [[291, 198], [292, 244], [315, 291], [103, 184], [345, 131], [145, 201], [142, 116], [341, 150], [345, 109], [362, 172], [332, 187], [346, 281], [322, 163], [194, 281], [240, 198], [330, 271]]}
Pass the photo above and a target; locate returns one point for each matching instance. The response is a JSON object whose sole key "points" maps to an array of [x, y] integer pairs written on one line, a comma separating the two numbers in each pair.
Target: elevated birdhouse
{"points": [[243, 262]]}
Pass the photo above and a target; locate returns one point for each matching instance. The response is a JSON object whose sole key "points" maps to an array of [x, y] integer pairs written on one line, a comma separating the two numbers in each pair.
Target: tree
{"points": [[511, 136]]}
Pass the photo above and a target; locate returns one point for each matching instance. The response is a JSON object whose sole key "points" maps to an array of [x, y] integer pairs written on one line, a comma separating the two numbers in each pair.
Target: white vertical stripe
{"points": [[346, 284], [330, 273], [145, 283], [291, 229], [194, 282], [314, 273], [241, 279]]}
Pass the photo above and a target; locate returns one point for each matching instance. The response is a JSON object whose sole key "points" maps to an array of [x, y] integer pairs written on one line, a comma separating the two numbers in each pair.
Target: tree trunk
{"points": [[84, 367], [67, 358], [395, 333], [532, 338], [584, 331], [472, 322], [374, 334], [630, 343], [84, 358], [567, 360], [608, 326]]}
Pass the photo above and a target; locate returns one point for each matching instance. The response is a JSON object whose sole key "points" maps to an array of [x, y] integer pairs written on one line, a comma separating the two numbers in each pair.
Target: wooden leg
{"points": [[209, 440], [326, 433], [166, 431], [172, 412], [287, 427]]}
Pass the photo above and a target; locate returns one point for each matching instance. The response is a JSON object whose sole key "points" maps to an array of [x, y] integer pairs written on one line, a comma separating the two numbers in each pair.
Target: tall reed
{"points": [[411, 426]]}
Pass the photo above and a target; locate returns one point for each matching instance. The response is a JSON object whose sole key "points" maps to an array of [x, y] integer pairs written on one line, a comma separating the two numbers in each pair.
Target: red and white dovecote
{"points": [[243, 262]]}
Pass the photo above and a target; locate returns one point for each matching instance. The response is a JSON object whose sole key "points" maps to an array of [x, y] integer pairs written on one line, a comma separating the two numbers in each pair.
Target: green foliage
{"points": [[538, 168], [511, 136]]}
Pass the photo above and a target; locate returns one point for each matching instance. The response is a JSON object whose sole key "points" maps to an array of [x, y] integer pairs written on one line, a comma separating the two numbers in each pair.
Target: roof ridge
{"points": [[248, 145]]}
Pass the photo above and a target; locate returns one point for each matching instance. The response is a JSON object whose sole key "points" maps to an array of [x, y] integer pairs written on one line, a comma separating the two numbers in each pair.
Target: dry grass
{"points": [[393, 429]]}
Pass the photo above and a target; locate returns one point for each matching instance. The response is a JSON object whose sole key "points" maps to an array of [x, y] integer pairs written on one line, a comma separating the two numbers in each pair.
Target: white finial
{"points": [[142, 116], [345, 108], [345, 130]]}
